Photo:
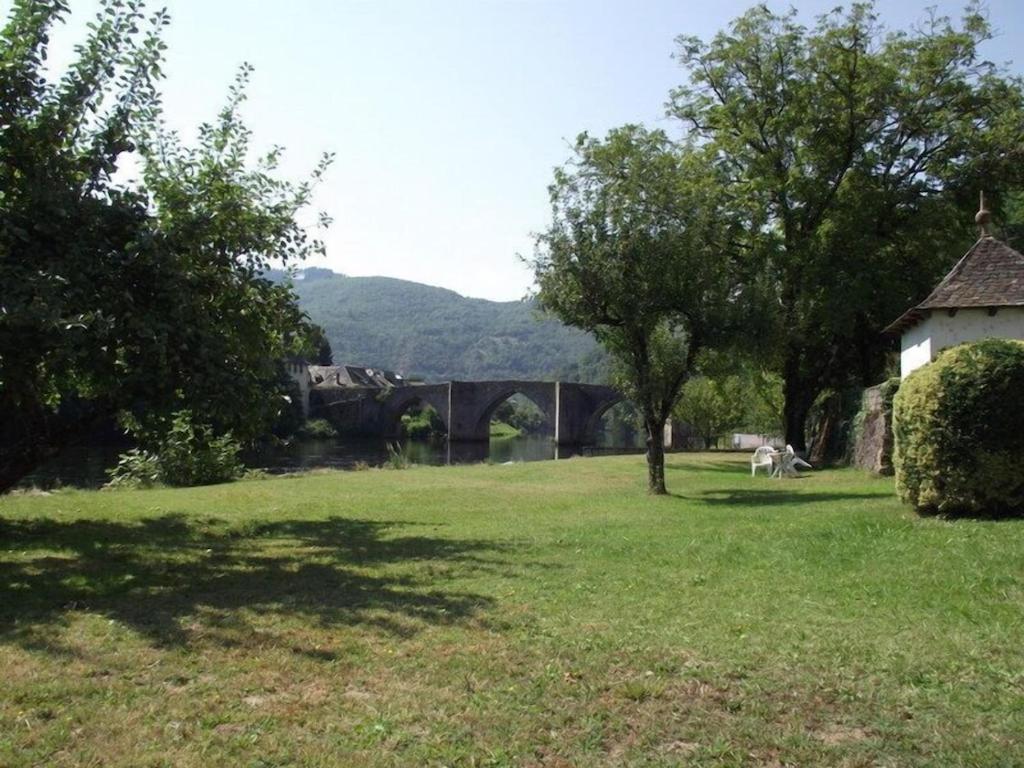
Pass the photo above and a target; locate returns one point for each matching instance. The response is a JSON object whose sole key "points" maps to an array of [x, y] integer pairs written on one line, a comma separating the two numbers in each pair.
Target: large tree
{"points": [[119, 296], [63, 221], [633, 254], [854, 155], [219, 220]]}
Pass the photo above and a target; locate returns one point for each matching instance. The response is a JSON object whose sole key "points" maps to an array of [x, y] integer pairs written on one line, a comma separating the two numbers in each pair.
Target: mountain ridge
{"points": [[438, 334]]}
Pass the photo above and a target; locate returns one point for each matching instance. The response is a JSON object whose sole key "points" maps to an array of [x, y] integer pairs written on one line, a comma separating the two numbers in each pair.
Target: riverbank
{"points": [[530, 614], [89, 466]]}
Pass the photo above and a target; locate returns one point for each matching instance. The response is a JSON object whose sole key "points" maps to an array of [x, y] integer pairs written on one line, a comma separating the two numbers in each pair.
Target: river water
{"points": [[87, 466]]}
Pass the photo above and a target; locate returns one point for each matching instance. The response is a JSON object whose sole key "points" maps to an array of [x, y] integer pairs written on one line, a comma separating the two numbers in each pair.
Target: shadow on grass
{"points": [[757, 497], [730, 467], [176, 579]]}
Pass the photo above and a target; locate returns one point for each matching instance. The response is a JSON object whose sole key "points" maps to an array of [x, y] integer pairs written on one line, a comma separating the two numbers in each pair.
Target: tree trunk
{"points": [[18, 459], [35, 441], [795, 414], [22, 433], [656, 457], [13, 468], [798, 395]]}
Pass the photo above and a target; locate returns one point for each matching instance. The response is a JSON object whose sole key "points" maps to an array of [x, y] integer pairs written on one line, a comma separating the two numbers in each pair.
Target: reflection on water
{"points": [[87, 466]]}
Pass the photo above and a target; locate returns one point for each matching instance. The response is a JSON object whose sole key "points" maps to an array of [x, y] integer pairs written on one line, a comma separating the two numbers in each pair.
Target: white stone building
{"points": [[982, 297]]}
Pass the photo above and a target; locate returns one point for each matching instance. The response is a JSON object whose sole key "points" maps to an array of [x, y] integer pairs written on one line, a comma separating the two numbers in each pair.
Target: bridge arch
{"points": [[593, 424], [474, 402], [401, 400], [466, 407], [580, 407], [543, 400]]}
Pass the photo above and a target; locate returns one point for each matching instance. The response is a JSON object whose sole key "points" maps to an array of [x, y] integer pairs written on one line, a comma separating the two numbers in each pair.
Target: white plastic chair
{"points": [[762, 458], [788, 462], [797, 461]]}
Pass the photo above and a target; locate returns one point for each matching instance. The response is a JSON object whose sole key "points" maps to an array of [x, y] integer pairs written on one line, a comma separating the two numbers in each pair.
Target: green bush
{"points": [[503, 431], [422, 424], [959, 432], [317, 429], [135, 469], [189, 454]]}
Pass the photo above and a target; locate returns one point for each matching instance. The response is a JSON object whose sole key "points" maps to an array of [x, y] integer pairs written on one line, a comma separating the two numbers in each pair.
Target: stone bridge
{"points": [[574, 411]]}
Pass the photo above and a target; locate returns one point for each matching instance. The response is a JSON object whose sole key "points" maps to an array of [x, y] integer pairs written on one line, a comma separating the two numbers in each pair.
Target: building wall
{"points": [[916, 347], [299, 373], [743, 441], [922, 343]]}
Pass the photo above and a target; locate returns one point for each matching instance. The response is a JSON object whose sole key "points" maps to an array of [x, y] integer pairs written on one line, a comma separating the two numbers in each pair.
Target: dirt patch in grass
{"points": [[841, 734]]}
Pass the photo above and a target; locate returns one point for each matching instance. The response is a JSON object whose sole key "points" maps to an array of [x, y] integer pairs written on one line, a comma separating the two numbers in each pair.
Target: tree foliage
{"points": [[632, 255], [221, 223], [712, 406], [186, 454], [120, 295], [731, 392], [852, 155]]}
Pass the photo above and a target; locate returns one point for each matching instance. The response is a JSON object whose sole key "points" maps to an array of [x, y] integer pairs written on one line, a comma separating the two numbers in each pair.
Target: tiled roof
{"points": [[330, 376], [991, 274]]}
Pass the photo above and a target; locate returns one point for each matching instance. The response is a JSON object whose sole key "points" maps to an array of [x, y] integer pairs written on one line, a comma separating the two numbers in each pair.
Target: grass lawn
{"points": [[545, 614]]}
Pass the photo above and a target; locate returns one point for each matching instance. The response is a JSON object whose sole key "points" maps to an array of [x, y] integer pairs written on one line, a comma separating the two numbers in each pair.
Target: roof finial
{"points": [[983, 217]]}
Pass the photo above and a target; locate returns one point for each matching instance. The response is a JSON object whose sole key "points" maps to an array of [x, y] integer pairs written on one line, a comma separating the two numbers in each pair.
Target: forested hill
{"points": [[437, 334]]}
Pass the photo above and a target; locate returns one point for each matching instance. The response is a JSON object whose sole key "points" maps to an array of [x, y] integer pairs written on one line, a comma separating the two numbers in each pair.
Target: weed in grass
{"points": [[398, 456]]}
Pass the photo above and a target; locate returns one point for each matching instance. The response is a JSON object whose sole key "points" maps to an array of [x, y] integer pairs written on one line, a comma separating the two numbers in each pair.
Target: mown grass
{"points": [[544, 614]]}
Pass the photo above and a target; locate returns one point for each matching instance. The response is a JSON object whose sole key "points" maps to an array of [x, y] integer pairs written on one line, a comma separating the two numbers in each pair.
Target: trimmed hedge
{"points": [[959, 431]]}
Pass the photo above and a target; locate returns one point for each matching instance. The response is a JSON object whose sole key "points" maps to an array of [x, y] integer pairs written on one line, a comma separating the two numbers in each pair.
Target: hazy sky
{"points": [[447, 116]]}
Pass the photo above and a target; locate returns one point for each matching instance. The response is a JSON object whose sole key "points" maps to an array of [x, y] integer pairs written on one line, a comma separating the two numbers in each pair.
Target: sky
{"points": [[447, 117]]}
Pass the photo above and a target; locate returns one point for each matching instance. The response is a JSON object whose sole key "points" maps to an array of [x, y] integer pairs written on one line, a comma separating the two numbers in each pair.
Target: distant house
{"points": [[982, 297], [328, 376], [337, 378]]}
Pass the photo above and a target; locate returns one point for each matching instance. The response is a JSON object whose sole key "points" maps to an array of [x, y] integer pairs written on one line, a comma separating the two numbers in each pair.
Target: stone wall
{"points": [[871, 447]]}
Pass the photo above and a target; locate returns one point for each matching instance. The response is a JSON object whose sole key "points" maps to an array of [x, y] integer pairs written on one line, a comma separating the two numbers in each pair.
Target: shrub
{"points": [[189, 454], [135, 469], [503, 431], [959, 431], [317, 429], [422, 424]]}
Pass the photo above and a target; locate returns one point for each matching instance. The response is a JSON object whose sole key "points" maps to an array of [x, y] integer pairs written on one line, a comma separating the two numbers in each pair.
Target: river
{"points": [[87, 466]]}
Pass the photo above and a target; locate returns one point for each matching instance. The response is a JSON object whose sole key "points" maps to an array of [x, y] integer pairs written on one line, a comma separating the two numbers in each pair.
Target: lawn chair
{"points": [[786, 463], [797, 461], [762, 458]]}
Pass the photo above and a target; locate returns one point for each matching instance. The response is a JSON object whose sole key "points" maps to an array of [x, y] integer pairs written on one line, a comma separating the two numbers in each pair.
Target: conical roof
{"points": [[991, 274]]}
